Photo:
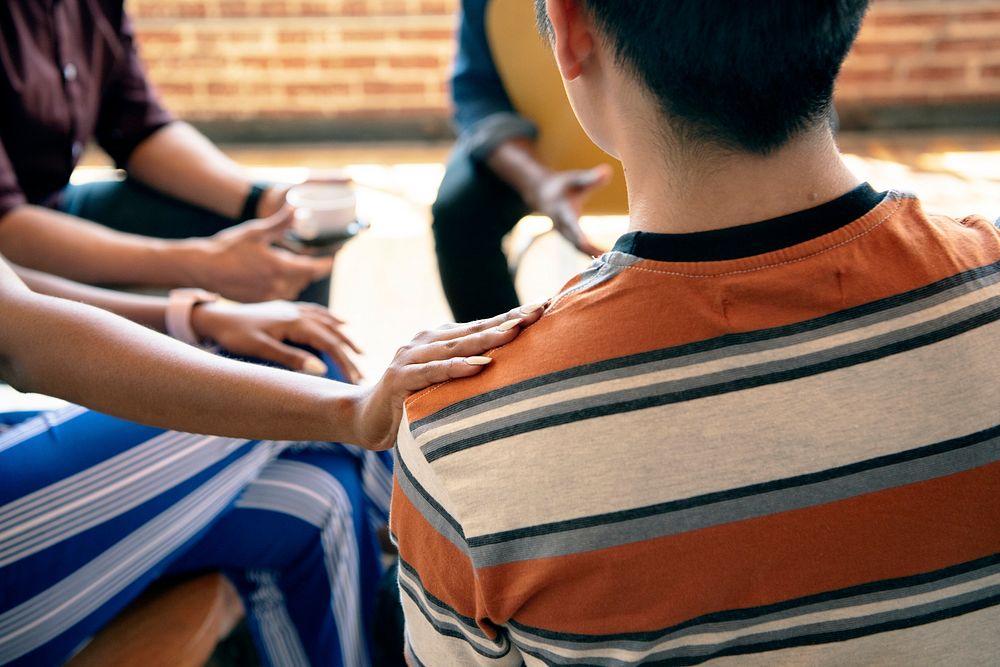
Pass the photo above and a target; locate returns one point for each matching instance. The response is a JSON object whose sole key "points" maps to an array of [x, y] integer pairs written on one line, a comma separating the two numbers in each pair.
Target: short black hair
{"points": [[746, 75]]}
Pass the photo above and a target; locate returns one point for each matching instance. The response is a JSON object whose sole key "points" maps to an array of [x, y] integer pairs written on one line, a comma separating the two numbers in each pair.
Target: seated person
{"points": [[764, 425], [94, 507], [70, 73], [493, 179]]}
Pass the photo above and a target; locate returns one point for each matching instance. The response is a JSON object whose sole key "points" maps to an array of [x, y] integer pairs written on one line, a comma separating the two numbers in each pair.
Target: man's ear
{"points": [[572, 39]]}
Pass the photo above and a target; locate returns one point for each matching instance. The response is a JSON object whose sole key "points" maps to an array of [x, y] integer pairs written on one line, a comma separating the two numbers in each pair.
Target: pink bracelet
{"points": [[180, 303]]}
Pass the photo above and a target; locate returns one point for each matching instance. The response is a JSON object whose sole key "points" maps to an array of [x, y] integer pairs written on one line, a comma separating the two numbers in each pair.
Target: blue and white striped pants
{"points": [[93, 509]]}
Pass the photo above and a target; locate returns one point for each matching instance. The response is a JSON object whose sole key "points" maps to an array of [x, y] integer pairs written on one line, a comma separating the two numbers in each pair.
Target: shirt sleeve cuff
{"points": [[9, 201], [483, 138]]}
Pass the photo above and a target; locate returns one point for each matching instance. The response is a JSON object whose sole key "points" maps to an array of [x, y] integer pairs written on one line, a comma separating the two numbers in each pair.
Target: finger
{"points": [[313, 334], [526, 315], [595, 177], [308, 268], [567, 222], [342, 337], [319, 310], [290, 357], [415, 377], [333, 325], [273, 228], [471, 345]]}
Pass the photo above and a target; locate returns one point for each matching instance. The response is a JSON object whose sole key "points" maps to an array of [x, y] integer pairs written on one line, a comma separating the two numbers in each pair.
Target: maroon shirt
{"points": [[69, 73]]}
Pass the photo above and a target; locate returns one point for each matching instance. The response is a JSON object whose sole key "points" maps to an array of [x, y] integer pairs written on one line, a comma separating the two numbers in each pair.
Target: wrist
{"points": [[271, 201], [185, 318], [343, 410], [252, 204], [188, 258]]}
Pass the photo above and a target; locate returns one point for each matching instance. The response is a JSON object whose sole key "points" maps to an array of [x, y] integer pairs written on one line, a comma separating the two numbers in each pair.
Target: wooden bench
{"points": [[176, 623]]}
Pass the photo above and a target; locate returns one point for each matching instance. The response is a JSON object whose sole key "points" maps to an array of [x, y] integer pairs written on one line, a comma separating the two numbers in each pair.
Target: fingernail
{"points": [[314, 366], [533, 308], [509, 324], [478, 361]]}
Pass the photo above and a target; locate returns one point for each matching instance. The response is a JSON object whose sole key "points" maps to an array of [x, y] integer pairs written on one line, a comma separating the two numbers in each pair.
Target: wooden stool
{"points": [[174, 624]]}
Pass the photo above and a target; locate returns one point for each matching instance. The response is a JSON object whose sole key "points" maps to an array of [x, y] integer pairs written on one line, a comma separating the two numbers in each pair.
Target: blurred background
{"points": [[287, 86], [377, 69]]}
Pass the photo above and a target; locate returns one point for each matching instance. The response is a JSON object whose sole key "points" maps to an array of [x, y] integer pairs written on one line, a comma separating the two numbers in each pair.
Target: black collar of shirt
{"points": [[756, 238]]}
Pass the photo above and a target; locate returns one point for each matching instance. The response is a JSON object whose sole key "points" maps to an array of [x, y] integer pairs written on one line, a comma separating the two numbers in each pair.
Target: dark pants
{"points": [[129, 206], [473, 211]]}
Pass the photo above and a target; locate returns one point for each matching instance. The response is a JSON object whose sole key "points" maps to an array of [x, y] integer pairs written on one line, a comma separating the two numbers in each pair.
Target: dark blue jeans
{"points": [[473, 211]]}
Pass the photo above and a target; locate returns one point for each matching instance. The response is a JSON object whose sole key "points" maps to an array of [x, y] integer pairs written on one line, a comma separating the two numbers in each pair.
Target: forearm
{"points": [[56, 243], [149, 311], [515, 162], [93, 358], [179, 161]]}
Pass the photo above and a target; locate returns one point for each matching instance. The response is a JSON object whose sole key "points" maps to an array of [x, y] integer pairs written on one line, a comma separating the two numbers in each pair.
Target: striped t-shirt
{"points": [[789, 455]]}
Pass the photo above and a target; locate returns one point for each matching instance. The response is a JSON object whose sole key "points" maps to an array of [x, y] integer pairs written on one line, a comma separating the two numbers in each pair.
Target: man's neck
{"points": [[679, 192]]}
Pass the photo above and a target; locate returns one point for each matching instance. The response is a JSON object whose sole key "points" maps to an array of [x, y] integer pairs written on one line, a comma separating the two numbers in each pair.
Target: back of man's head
{"points": [[745, 76]]}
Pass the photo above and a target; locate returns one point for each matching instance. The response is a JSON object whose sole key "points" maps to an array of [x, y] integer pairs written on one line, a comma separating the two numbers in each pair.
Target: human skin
{"points": [[240, 263], [675, 186], [558, 194], [97, 359]]}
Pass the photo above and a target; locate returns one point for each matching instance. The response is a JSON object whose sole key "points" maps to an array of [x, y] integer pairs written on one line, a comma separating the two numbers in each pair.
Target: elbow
{"points": [[14, 376]]}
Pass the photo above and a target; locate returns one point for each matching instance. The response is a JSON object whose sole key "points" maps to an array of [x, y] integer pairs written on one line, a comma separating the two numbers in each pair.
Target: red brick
{"points": [[317, 89], [256, 62], [294, 36], [216, 88], [415, 62], [392, 88], [980, 16], [991, 71], [176, 89], [233, 8], [364, 35], [355, 8], [851, 75], [935, 73], [888, 48], [973, 45], [276, 8], [908, 19], [347, 62], [159, 37], [426, 34]]}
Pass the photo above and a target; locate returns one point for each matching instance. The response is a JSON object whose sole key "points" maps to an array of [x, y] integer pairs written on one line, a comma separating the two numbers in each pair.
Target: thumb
{"points": [[595, 177], [290, 357], [273, 227], [315, 267]]}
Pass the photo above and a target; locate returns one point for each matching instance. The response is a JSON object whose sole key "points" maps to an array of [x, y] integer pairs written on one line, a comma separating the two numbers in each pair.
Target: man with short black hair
{"points": [[764, 425]]}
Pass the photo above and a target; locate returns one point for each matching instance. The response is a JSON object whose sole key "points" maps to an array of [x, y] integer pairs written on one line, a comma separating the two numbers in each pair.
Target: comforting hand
{"points": [[262, 330], [433, 356], [561, 195], [242, 263]]}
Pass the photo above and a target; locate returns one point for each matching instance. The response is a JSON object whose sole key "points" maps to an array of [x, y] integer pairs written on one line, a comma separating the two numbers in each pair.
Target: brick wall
{"points": [[925, 53], [383, 62], [299, 60]]}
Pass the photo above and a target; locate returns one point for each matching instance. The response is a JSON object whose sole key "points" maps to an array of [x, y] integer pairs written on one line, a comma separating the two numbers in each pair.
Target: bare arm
{"points": [[149, 311], [85, 355], [259, 331], [239, 262], [179, 161], [54, 242], [557, 194]]}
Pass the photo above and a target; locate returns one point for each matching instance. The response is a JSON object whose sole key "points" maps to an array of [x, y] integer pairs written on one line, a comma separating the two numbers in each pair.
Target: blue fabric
{"points": [[476, 88], [93, 509]]}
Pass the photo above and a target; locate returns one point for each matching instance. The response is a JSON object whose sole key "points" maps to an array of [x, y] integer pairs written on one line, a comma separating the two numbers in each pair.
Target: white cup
{"points": [[322, 209]]}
